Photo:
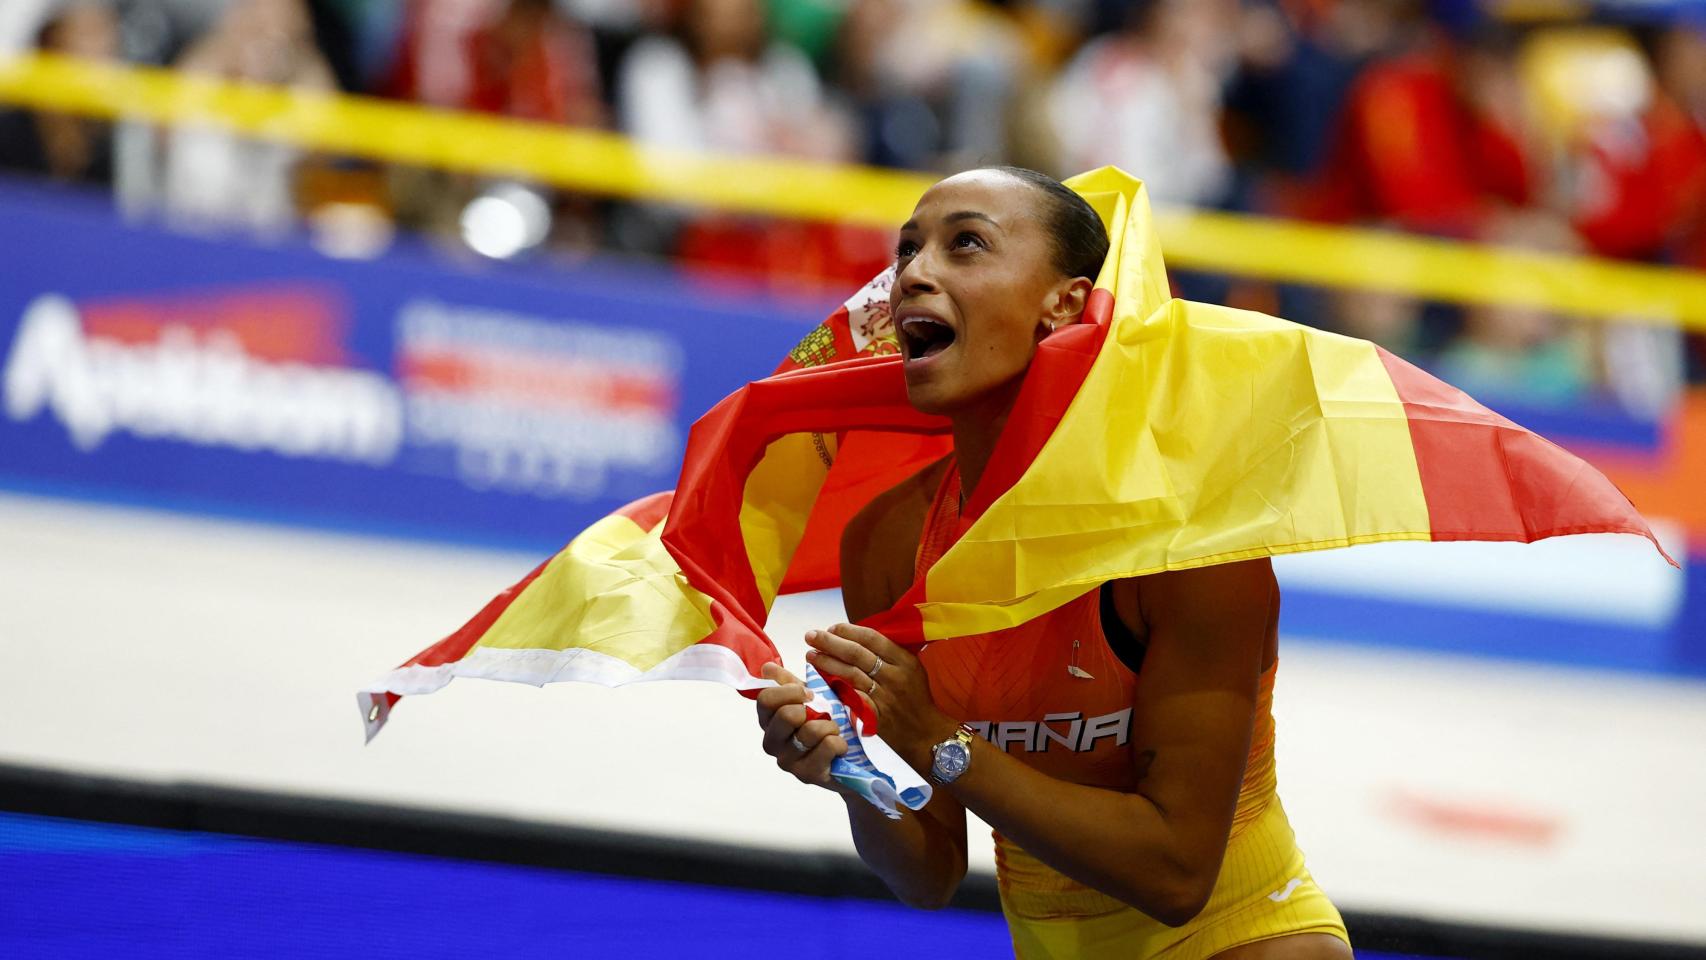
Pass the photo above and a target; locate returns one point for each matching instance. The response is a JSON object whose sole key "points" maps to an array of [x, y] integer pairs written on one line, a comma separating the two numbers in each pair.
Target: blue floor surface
{"points": [[73, 889]]}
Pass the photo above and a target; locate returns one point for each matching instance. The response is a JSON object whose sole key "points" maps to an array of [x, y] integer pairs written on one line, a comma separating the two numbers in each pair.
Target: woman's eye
{"points": [[904, 249], [968, 240]]}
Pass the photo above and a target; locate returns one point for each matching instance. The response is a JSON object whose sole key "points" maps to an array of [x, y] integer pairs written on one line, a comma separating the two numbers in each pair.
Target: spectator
{"points": [[519, 58], [1679, 123], [1298, 61], [932, 82], [69, 148], [1419, 143], [431, 64], [722, 86], [1631, 160], [1390, 319], [1147, 98], [261, 41], [213, 178], [533, 63], [1682, 80], [899, 128], [526, 59], [1522, 354]]}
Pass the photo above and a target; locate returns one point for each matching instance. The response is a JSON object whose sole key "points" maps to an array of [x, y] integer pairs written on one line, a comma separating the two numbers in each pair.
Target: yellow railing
{"points": [[609, 164]]}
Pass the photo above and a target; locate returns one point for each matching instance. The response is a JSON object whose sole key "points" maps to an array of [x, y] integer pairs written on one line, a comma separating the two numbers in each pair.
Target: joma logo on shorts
{"points": [[1069, 730]]}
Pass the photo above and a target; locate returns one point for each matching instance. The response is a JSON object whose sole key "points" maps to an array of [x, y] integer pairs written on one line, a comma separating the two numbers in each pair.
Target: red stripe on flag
{"points": [[866, 463], [1486, 478], [864, 715], [1099, 308], [647, 512], [1057, 371], [703, 532]]}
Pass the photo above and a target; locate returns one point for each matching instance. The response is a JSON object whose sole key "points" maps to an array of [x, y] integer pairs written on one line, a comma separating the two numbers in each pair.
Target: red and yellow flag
{"points": [[1158, 434]]}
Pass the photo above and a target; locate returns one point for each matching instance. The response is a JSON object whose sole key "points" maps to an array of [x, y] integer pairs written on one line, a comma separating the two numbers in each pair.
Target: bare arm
{"points": [[921, 857], [1159, 848]]}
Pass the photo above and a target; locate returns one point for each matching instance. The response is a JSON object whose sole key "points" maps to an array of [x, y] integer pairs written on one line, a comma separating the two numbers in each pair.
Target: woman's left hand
{"points": [[892, 681]]}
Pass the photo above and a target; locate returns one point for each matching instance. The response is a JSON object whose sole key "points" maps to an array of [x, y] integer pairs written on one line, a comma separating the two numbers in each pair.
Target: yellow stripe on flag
{"points": [[1134, 272], [778, 501], [1237, 435], [614, 590]]}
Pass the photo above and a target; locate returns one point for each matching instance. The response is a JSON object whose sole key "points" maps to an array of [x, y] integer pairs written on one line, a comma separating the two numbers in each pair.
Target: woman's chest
{"points": [[1049, 692]]}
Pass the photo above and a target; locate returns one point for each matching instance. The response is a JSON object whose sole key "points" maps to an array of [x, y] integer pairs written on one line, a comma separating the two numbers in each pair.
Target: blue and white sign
{"points": [[396, 395]]}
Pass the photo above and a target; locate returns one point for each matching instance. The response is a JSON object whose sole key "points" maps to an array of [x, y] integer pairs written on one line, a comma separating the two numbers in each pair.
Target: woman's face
{"points": [[975, 289]]}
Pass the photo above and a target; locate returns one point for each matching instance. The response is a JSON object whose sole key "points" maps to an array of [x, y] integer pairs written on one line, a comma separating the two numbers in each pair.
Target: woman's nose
{"points": [[916, 275]]}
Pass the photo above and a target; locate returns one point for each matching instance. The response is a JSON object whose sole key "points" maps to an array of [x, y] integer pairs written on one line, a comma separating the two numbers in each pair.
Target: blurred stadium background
{"points": [[324, 320]]}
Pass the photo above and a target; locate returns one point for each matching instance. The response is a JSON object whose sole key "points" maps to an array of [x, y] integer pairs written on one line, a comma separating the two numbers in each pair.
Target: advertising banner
{"points": [[397, 395]]}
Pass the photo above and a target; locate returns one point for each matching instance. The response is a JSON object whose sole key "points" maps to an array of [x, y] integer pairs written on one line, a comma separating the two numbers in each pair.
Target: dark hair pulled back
{"points": [[1080, 240]]}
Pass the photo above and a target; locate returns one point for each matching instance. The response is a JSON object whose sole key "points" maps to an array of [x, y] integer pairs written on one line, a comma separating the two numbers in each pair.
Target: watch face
{"points": [[952, 758]]}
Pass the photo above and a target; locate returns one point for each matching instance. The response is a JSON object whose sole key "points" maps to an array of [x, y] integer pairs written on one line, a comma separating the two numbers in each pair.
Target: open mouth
{"points": [[924, 337]]}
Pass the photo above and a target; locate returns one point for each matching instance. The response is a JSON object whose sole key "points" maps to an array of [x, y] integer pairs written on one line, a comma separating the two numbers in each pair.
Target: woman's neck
{"points": [[976, 431]]}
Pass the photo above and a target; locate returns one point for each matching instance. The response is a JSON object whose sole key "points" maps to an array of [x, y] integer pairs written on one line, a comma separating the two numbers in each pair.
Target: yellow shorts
{"points": [[1264, 891]]}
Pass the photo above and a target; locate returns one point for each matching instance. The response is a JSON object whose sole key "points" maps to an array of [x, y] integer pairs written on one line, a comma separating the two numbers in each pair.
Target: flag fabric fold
{"points": [[1158, 434]]}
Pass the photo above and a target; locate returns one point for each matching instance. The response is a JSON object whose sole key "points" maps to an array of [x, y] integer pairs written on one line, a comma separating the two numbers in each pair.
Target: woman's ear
{"points": [[1066, 303]]}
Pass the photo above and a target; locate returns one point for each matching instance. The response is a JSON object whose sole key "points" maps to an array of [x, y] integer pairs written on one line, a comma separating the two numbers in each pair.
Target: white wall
{"points": [[156, 646]]}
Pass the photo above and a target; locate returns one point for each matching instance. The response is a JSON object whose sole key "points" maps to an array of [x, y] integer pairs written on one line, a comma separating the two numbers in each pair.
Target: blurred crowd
{"points": [[1555, 125]]}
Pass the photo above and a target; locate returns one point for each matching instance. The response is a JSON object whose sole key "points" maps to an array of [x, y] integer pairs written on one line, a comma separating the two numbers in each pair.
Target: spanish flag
{"points": [[1158, 434]]}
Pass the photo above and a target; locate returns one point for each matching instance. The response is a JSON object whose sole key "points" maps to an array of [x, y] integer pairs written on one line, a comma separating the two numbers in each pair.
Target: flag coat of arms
{"points": [[1158, 434]]}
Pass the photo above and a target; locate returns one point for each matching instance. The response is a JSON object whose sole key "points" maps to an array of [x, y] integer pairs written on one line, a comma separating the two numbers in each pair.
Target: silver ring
{"points": [[874, 669], [795, 740], [873, 687]]}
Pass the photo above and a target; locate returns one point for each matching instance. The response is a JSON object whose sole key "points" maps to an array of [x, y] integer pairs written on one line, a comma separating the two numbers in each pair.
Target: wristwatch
{"points": [[952, 757]]}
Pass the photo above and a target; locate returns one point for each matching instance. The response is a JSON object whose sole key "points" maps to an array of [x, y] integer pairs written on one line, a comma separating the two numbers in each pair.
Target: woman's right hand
{"points": [[782, 715]]}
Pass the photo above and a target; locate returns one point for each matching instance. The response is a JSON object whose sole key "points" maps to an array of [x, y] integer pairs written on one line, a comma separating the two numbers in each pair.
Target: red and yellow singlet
{"points": [[1053, 693]]}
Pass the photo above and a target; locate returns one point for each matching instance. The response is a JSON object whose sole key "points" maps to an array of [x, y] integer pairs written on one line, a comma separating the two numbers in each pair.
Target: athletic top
{"points": [[1057, 695]]}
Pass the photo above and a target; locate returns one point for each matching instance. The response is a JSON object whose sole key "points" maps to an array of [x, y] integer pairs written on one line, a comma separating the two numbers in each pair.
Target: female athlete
{"points": [[1122, 745]]}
